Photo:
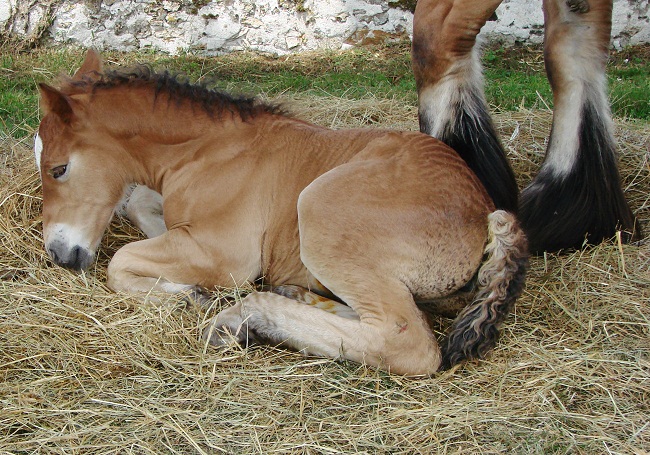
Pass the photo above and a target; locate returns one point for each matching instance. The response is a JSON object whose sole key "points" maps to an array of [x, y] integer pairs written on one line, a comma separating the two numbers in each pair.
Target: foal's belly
{"points": [[281, 264]]}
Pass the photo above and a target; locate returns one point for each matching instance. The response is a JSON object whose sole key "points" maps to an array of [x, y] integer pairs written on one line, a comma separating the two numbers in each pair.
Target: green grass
{"points": [[18, 99], [514, 77]]}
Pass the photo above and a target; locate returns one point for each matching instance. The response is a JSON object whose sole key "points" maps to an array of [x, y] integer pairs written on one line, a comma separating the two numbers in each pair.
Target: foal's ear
{"points": [[55, 102], [92, 64]]}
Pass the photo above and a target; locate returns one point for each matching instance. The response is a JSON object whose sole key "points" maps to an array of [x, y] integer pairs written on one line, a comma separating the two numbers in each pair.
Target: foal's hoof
{"points": [[227, 328], [197, 296], [289, 291]]}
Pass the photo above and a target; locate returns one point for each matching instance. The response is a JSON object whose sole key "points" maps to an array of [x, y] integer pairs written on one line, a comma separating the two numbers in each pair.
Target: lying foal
{"points": [[382, 220]]}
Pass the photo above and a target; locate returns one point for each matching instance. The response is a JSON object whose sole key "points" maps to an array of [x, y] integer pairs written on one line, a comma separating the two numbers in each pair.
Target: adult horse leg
{"points": [[577, 193], [447, 70]]}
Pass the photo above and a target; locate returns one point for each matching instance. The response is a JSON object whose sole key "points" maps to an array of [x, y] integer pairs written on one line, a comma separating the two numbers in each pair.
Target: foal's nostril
{"points": [[79, 259], [74, 255], [76, 258]]}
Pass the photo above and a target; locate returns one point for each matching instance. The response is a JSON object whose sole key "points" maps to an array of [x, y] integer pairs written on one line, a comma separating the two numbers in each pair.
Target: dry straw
{"points": [[84, 371]]}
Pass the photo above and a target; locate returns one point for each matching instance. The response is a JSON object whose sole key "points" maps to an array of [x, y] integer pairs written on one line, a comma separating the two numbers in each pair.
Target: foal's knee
{"points": [[411, 350], [117, 274]]}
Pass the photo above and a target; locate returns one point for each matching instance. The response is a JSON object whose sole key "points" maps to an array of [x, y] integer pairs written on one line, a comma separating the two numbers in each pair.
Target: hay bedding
{"points": [[84, 371]]}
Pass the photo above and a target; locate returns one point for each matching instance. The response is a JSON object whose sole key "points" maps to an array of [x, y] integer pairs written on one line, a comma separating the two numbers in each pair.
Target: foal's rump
{"points": [[406, 203]]}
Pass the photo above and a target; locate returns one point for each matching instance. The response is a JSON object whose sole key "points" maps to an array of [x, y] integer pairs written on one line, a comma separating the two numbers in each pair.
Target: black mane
{"points": [[177, 88]]}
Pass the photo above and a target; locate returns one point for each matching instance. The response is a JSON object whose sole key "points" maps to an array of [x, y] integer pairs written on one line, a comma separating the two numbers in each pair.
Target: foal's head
{"points": [[81, 186], [91, 141]]}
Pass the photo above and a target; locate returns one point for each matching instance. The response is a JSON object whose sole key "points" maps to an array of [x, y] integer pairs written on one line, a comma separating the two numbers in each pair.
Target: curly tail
{"points": [[500, 282]]}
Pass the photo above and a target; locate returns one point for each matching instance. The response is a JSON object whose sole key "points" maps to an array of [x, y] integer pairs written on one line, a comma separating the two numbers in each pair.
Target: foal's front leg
{"points": [[161, 264], [144, 208]]}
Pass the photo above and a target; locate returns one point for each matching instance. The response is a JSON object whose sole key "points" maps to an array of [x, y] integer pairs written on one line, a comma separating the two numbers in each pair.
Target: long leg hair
{"points": [[577, 196]]}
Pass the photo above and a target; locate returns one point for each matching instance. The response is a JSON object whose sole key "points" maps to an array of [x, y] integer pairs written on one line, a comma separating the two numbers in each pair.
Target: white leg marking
{"points": [[439, 103], [564, 141], [437, 106]]}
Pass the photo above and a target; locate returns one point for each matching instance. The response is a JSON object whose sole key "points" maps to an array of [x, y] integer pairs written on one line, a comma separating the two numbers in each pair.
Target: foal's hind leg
{"points": [[453, 108], [577, 194], [400, 342], [260, 317]]}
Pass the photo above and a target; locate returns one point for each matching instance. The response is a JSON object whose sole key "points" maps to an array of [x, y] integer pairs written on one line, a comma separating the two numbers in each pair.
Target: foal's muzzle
{"points": [[75, 258]]}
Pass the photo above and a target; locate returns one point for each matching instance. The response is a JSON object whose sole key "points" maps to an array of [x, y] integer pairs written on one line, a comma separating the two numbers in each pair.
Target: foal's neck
{"points": [[160, 135]]}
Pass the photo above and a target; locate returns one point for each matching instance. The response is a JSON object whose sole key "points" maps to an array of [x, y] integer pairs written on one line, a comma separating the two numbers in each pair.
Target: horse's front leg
{"points": [[165, 264], [144, 208]]}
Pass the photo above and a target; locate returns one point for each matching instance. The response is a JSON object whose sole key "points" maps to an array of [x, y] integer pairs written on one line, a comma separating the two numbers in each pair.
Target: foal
{"points": [[382, 220]]}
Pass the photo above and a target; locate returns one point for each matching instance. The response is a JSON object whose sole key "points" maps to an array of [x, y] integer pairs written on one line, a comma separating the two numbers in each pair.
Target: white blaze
{"points": [[38, 150]]}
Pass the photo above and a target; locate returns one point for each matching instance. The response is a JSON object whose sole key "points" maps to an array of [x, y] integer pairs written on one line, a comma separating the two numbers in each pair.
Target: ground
{"points": [[83, 370]]}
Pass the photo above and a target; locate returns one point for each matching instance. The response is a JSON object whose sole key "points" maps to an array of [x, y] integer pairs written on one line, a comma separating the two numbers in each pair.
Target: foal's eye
{"points": [[58, 171]]}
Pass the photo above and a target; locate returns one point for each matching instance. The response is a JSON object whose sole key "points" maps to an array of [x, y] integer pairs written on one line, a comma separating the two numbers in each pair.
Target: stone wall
{"points": [[276, 26]]}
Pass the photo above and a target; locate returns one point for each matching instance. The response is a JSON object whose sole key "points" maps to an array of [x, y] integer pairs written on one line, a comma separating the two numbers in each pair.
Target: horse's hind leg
{"points": [[365, 235], [244, 322], [577, 194], [376, 233], [310, 298], [447, 71], [382, 327], [399, 341]]}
